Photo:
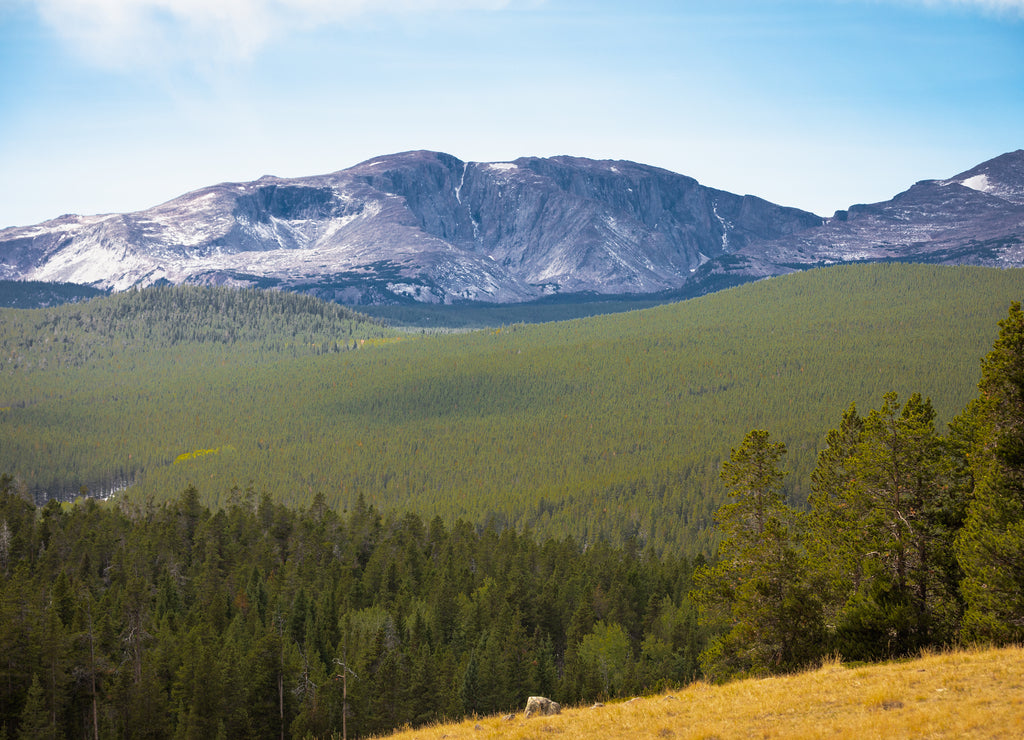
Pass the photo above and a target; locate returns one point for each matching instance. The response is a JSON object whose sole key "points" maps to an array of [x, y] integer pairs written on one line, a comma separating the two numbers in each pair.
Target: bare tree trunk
{"points": [[345, 670]]}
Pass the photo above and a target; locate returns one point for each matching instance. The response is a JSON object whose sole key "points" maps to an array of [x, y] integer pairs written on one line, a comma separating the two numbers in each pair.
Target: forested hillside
{"points": [[269, 616], [141, 619], [609, 427], [175, 318], [175, 621]]}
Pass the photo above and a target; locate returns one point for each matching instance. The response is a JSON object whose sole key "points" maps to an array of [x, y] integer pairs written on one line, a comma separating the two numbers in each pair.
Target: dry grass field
{"points": [[959, 694]]}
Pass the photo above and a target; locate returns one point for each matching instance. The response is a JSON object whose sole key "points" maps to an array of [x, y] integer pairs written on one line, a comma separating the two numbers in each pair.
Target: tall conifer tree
{"points": [[990, 546], [757, 592]]}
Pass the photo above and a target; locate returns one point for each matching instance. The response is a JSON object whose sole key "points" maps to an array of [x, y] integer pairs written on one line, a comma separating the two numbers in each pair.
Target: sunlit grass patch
{"points": [[975, 693]]}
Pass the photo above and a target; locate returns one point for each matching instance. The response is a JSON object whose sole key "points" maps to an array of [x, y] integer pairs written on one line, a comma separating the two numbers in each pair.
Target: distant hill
{"points": [[163, 318], [607, 427], [427, 228]]}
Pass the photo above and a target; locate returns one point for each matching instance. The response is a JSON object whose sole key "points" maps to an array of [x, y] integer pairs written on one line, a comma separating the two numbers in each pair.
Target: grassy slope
{"points": [[960, 694], [604, 427]]}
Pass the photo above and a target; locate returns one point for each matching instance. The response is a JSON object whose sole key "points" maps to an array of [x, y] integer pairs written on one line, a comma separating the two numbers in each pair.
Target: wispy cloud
{"points": [[117, 32], [998, 7]]}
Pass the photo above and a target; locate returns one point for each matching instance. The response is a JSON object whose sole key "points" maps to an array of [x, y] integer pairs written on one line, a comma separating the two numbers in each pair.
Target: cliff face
{"points": [[419, 225], [429, 227], [567, 224]]}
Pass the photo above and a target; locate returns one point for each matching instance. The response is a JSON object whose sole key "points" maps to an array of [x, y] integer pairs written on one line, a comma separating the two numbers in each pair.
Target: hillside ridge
{"points": [[415, 226], [606, 427]]}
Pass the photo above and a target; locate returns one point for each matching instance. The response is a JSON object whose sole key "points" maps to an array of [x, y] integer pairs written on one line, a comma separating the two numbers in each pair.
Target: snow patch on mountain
{"points": [[462, 181], [978, 182], [95, 264], [723, 224]]}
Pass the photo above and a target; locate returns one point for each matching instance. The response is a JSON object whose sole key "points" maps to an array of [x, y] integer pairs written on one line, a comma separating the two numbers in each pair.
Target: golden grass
{"points": [[957, 694]]}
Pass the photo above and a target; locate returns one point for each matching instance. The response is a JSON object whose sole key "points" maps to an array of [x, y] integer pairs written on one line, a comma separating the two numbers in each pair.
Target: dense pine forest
{"points": [[164, 318], [258, 620], [609, 428], [169, 619]]}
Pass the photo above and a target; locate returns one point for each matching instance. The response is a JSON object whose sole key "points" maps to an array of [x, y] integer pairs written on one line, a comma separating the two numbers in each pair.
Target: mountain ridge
{"points": [[423, 226], [975, 217]]}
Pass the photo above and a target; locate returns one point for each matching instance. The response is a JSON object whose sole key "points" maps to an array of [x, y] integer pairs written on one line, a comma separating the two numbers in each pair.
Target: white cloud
{"points": [[999, 7], [117, 32], [1017, 5]]}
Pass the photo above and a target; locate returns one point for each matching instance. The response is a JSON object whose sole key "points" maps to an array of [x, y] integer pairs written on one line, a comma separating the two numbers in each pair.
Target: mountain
{"points": [[976, 217], [427, 227], [420, 225]]}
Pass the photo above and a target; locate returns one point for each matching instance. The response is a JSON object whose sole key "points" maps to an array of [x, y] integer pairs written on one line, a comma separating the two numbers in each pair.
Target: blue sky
{"points": [[118, 105]]}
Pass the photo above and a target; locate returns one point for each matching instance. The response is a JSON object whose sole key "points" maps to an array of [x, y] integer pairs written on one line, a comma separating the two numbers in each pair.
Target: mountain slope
{"points": [[419, 225], [976, 217]]}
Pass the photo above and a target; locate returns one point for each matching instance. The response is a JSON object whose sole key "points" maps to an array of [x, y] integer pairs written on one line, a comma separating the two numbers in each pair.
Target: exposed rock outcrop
{"points": [[539, 705]]}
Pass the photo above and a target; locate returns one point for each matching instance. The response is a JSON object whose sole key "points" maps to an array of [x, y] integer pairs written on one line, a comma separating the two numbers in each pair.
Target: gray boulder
{"points": [[542, 706]]}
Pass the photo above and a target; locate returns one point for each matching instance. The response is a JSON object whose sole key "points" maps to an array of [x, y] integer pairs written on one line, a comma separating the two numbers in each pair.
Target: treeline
{"points": [[912, 539], [606, 428], [257, 620], [494, 315]]}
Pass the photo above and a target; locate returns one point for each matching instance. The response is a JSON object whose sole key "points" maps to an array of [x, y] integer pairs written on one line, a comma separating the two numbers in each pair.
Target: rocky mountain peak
{"points": [[1002, 177], [428, 226]]}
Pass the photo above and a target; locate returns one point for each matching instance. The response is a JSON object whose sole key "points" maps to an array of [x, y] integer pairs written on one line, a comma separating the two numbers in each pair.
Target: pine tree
{"points": [[990, 547], [757, 594], [833, 531], [880, 517], [35, 721], [754, 478]]}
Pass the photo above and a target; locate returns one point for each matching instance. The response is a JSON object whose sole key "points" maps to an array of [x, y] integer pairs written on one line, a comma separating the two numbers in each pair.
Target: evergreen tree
{"points": [[756, 595], [990, 546], [833, 532], [754, 479], [36, 723], [883, 508]]}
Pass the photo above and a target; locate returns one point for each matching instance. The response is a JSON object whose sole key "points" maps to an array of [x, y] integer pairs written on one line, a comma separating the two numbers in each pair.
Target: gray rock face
{"points": [[420, 225], [426, 226], [976, 217]]}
